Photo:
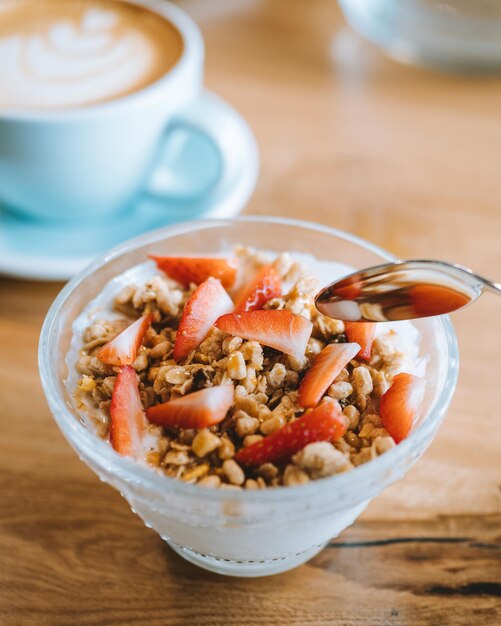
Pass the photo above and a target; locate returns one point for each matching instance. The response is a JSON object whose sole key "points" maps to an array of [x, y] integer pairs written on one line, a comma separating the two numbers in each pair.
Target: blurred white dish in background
{"points": [[451, 35]]}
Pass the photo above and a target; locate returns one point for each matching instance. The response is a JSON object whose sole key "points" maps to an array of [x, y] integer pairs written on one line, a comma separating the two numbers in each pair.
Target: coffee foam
{"points": [[70, 53]]}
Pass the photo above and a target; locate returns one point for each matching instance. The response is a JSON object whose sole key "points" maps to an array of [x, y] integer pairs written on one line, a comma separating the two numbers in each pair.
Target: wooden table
{"points": [[404, 157]]}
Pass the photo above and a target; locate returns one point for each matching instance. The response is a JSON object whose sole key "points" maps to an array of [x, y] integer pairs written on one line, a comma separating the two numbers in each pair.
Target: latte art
{"points": [[71, 53]]}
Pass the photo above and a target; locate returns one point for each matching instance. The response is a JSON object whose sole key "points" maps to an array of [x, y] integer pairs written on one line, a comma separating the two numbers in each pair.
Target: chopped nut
{"points": [[314, 347], [141, 362], [366, 430], [378, 432], [250, 483], [250, 439], [267, 471], [230, 344], [344, 376], [361, 401], [276, 376], [212, 346], [246, 425], [87, 383], [298, 365], [293, 475], [362, 381], [226, 449], [83, 365], [250, 380], [205, 442], [253, 354], [353, 415], [209, 481], [383, 444], [328, 327], [249, 404], [153, 457], [372, 418], [321, 459], [147, 396], [285, 408], [236, 367], [365, 455], [272, 424], [187, 435], [177, 375], [160, 350], [240, 391], [263, 412], [234, 473], [195, 472], [176, 457], [353, 440], [340, 391], [379, 382], [291, 379]]}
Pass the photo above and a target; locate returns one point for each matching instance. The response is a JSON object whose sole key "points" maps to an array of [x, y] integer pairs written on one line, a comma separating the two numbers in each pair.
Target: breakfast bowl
{"points": [[238, 532]]}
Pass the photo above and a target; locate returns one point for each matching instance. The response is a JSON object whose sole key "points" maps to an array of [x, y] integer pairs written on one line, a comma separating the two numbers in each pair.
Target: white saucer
{"points": [[57, 251]]}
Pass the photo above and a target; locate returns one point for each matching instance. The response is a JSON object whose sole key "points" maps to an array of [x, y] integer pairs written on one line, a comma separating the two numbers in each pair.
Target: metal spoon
{"points": [[402, 290]]}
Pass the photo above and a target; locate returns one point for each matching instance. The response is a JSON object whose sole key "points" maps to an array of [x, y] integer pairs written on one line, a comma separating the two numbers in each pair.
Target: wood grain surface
{"points": [[404, 157]]}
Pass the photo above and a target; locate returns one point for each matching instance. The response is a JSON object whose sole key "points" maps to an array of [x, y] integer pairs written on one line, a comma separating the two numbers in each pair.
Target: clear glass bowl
{"points": [[240, 533]]}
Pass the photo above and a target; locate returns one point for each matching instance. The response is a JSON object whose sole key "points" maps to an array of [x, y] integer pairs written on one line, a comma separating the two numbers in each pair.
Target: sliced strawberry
{"points": [[199, 409], [127, 416], [265, 286], [362, 333], [325, 423], [208, 302], [399, 405], [277, 329], [122, 350], [196, 270], [325, 369]]}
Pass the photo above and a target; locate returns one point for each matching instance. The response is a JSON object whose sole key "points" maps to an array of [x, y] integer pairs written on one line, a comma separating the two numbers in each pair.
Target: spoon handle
{"points": [[492, 286], [489, 284]]}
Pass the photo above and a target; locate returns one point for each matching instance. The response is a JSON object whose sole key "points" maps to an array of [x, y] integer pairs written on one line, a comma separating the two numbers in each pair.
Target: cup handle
{"points": [[196, 153]]}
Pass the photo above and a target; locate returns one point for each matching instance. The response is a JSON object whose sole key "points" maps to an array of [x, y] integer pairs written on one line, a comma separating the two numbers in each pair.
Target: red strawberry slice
{"points": [[208, 302], [266, 285], [362, 333], [199, 409], [325, 369], [196, 270], [127, 416], [122, 350], [399, 405], [325, 423], [277, 329]]}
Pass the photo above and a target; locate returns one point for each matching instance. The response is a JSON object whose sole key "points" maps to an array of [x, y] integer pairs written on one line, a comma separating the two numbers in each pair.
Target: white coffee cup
{"points": [[92, 161]]}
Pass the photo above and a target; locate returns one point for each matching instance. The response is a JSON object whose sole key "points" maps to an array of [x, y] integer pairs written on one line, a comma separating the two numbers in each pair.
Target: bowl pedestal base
{"points": [[245, 569]]}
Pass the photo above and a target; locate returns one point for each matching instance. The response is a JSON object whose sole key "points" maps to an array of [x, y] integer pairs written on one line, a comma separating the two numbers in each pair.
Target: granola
{"points": [[266, 382]]}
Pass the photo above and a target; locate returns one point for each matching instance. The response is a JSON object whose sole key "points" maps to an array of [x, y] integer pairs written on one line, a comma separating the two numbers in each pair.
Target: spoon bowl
{"points": [[402, 290]]}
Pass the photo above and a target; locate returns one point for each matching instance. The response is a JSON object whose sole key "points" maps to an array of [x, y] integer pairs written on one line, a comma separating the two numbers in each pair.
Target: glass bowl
{"points": [[240, 533]]}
